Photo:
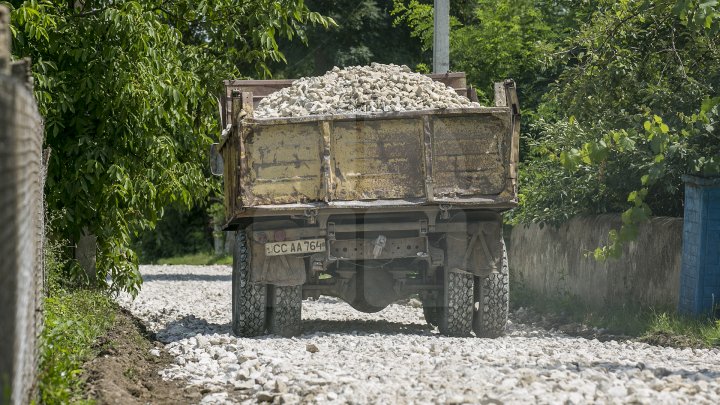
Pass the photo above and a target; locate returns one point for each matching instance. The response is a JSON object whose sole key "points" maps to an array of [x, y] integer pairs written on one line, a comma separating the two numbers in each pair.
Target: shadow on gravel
{"points": [[659, 372], [186, 277], [189, 326], [362, 327]]}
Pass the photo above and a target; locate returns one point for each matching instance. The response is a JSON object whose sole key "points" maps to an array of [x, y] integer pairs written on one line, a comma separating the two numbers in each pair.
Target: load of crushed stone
{"points": [[358, 89]]}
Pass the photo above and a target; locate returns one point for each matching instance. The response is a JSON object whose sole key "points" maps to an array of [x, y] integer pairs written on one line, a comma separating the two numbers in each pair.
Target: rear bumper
{"points": [[324, 210]]}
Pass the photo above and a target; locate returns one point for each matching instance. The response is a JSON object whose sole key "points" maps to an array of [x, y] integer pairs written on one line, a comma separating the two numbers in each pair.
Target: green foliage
{"points": [[179, 232], [492, 40], [126, 90], [419, 17], [669, 329], [635, 108], [226, 34], [363, 34], [511, 39], [73, 321]]}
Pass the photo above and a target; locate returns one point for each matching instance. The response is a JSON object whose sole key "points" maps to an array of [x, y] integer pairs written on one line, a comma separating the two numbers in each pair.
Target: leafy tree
{"points": [[126, 89], [492, 40], [636, 109], [179, 232], [364, 34]]}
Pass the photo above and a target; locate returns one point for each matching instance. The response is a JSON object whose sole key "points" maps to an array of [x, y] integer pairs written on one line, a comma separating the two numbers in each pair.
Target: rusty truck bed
{"points": [[463, 157]]}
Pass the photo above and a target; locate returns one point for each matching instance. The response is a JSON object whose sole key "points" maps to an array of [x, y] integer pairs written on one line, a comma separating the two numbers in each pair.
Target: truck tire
{"points": [[492, 294], [249, 300], [285, 311], [457, 313]]}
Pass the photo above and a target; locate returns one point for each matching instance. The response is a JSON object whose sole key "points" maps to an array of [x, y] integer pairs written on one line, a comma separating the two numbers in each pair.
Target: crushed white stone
{"points": [[361, 89], [393, 357]]}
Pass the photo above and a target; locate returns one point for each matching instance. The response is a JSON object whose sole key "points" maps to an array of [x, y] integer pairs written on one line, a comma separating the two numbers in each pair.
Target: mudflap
{"points": [[487, 251], [478, 250]]}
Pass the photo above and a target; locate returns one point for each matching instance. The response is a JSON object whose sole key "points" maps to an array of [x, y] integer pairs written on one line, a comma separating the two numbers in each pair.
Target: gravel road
{"points": [[393, 357]]}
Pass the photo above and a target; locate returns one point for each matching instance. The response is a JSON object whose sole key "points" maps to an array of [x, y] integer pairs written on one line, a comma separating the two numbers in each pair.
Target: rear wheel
{"points": [[285, 310], [248, 299], [492, 293], [457, 312]]}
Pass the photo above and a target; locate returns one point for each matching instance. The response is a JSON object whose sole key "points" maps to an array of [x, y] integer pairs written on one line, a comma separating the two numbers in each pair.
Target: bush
{"points": [[73, 322]]}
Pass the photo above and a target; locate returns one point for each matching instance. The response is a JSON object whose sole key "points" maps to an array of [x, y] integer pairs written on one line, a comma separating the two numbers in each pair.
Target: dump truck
{"points": [[371, 208]]}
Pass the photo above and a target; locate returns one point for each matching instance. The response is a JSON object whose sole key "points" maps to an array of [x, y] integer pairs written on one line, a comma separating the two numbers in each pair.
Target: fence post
{"points": [[86, 254], [700, 274]]}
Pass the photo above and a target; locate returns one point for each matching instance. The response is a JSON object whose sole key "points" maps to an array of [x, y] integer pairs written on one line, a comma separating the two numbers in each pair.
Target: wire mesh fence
{"points": [[22, 223]]}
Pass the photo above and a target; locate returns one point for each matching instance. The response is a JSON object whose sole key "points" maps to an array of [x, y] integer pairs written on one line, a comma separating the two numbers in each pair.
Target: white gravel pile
{"points": [[374, 88], [393, 357]]}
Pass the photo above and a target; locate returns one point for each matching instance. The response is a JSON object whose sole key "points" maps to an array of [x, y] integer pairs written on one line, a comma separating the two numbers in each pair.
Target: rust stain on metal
{"points": [[327, 172], [469, 157], [379, 159], [284, 164]]}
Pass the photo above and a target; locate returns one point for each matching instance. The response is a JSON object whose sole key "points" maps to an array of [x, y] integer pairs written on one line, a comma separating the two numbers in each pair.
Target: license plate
{"points": [[294, 247]]}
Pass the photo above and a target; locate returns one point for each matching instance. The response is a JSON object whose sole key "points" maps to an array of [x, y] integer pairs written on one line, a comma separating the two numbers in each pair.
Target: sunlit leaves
{"points": [[634, 109], [126, 91]]}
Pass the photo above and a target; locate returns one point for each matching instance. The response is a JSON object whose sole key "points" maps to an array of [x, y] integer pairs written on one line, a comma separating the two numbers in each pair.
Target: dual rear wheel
{"points": [[471, 304], [257, 308]]}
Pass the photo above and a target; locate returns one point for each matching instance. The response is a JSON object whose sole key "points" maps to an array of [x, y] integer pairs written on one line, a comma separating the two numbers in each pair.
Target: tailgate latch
{"points": [[311, 216], [445, 211]]}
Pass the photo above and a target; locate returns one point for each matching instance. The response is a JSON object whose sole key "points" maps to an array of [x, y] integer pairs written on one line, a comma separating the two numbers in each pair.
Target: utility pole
{"points": [[5, 40], [441, 37]]}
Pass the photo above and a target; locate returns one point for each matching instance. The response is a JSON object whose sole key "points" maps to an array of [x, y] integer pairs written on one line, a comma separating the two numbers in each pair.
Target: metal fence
{"points": [[21, 226]]}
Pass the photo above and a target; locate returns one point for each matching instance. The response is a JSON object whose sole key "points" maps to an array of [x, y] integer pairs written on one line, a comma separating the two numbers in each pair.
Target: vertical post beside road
{"points": [[441, 37], [4, 40], [700, 273]]}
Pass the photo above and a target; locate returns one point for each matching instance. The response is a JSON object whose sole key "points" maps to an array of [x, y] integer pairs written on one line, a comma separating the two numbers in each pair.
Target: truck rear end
{"points": [[371, 208]]}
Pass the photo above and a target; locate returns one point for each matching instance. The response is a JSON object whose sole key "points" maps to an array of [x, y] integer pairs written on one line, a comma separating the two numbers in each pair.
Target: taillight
{"points": [[279, 235], [261, 237]]}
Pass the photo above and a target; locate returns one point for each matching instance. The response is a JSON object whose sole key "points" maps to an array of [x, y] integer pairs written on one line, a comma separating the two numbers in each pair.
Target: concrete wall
{"points": [[21, 227], [551, 261]]}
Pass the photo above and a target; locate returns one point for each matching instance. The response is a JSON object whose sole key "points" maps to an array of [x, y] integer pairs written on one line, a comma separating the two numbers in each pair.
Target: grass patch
{"points": [[660, 327], [73, 322], [197, 259], [670, 329]]}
